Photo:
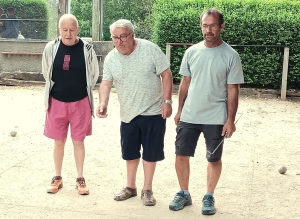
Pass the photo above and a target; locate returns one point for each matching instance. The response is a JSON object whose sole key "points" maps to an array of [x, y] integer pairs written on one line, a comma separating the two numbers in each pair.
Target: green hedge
{"points": [[248, 22], [30, 9]]}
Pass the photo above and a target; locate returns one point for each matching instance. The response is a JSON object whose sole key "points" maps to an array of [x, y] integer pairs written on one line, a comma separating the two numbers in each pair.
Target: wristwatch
{"points": [[168, 101]]}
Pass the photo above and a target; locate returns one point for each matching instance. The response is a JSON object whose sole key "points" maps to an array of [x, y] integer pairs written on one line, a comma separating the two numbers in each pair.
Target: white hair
{"points": [[67, 16], [122, 23]]}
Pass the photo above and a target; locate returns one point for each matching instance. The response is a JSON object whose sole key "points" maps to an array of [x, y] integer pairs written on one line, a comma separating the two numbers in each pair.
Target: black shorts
{"points": [[148, 131], [188, 135]]}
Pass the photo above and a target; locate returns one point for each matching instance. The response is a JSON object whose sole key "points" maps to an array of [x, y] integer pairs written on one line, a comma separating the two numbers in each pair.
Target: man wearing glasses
{"points": [[143, 80], [208, 100]]}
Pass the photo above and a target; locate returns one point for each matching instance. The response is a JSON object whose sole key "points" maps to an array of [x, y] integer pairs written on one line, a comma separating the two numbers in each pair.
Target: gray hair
{"points": [[121, 23], [67, 16]]}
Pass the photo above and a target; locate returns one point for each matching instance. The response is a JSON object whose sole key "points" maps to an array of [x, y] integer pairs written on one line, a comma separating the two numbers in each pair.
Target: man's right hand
{"points": [[177, 117], [101, 111]]}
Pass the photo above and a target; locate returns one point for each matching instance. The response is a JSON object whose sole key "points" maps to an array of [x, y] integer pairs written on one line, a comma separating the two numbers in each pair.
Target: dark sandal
{"points": [[125, 193]]}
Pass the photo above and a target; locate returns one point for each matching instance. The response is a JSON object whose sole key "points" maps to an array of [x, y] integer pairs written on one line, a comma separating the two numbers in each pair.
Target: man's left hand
{"points": [[228, 129]]}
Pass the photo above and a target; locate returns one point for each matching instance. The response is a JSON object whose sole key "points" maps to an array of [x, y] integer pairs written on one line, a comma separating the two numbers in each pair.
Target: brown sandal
{"points": [[125, 193]]}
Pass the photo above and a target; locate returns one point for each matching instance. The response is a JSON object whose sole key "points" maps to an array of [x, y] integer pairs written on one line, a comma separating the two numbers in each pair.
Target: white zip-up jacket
{"points": [[91, 62]]}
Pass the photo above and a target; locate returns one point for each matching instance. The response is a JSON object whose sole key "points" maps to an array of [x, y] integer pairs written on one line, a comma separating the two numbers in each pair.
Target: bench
{"points": [[33, 54], [21, 53]]}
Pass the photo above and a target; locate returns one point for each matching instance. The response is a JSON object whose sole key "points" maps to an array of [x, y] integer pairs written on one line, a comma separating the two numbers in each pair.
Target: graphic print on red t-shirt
{"points": [[66, 65]]}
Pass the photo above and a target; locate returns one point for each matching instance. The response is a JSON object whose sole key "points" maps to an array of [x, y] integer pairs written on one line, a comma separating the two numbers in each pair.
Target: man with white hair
{"points": [[141, 73], [70, 68]]}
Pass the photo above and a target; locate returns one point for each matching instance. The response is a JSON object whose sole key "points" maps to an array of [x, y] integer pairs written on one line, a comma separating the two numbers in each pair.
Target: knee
{"points": [[60, 143], [78, 144], [182, 159]]}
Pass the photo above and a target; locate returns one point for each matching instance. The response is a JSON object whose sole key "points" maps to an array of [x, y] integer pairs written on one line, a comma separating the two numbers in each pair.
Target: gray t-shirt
{"points": [[211, 69], [137, 79]]}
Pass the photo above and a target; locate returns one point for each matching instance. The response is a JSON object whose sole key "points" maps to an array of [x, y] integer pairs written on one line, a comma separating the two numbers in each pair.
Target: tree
{"points": [[138, 11], [82, 9]]}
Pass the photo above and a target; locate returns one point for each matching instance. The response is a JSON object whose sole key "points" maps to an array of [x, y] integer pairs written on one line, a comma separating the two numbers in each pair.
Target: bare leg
{"points": [[79, 154], [132, 166], [182, 166], [58, 155], [213, 175], [149, 169]]}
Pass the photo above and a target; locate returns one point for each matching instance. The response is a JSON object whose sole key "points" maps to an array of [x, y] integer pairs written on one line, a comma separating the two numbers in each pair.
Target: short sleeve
{"points": [[235, 75], [161, 61], [107, 74], [185, 67]]}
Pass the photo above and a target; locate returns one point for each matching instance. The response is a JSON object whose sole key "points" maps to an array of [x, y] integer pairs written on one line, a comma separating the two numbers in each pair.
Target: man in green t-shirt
{"points": [[208, 100]]}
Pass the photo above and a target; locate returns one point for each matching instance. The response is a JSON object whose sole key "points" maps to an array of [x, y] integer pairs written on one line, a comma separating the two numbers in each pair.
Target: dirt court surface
{"points": [[250, 187]]}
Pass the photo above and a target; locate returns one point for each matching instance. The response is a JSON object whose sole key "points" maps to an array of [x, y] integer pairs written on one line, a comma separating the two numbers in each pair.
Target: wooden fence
{"points": [[284, 67]]}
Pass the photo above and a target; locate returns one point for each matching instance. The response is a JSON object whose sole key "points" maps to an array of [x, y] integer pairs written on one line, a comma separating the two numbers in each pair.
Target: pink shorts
{"points": [[60, 114]]}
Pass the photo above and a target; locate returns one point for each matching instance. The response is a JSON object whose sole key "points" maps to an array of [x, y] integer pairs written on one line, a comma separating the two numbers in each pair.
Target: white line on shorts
{"points": [[223, 138]]}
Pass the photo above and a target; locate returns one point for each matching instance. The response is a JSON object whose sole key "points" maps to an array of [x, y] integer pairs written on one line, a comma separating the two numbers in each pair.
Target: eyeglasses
{"points": [[122, 38], [212, 26]]}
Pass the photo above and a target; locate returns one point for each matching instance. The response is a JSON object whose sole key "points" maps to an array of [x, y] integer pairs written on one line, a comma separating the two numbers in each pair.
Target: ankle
{"points": [[147, 188], [185, 191], [209, 193]]}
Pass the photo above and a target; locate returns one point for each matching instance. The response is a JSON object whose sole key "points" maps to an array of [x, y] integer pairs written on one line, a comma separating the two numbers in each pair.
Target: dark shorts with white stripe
{"points": [[188, 135]]}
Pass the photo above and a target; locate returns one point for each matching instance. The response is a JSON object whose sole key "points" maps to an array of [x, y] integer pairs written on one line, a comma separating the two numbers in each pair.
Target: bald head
{"points": [[68, 29], [67, 17]]}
